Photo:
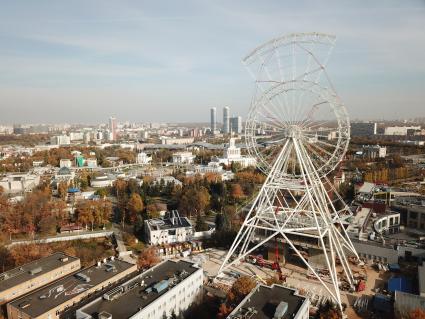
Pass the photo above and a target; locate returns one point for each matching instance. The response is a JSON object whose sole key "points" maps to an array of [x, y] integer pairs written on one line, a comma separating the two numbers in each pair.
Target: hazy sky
{"points": [[82, 61]]}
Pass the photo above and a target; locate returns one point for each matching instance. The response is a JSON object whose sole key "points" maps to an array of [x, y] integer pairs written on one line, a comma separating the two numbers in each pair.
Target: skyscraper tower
{"points": [[236, 124], [226, 120], [213, 120], [113, 127]]}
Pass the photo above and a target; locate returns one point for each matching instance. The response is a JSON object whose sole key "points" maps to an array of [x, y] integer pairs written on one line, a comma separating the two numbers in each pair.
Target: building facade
{"points": [[24, 279], [168, 229], [168, 288], [183, 158], [18, 183], [236, 124], [50, 301]]}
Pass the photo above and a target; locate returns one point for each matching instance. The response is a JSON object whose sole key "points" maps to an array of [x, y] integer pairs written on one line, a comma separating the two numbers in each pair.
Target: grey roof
{"points": [[57, 293], [22, 274], [168, 223], [135, 297], [64, 171], [264, 301]]}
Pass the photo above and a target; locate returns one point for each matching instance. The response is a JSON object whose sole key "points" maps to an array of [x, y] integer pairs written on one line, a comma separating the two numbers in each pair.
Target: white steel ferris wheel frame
{"points": [[297, 197]]}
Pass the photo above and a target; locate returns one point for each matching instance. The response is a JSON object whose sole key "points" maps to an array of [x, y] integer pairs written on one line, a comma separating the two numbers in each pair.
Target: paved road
{"points": [[121, 248]]}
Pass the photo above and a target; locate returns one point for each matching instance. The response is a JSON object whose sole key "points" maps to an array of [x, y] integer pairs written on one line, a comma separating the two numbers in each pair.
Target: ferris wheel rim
{"points": [[341, 118]]}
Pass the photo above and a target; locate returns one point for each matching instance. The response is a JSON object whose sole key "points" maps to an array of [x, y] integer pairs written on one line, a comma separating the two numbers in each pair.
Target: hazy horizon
{"points": [[168, 61]]}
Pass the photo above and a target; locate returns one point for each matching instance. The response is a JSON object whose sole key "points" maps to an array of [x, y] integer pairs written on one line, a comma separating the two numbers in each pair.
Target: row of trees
{"points": [[37, 213], [91, 213]]}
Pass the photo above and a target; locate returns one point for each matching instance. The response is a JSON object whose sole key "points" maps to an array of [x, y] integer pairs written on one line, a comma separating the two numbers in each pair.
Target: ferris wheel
{"points": [[294, 98], [299, 130]]}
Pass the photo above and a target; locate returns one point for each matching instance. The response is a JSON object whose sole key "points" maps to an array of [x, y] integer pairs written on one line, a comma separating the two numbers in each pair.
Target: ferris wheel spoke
{"points": [[316, 154], [321, 149]]}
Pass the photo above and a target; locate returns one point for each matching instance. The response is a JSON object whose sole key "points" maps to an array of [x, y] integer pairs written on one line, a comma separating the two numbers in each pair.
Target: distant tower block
{"points": [[226, 120], [213, 120], [113, 128], [293, 111]]}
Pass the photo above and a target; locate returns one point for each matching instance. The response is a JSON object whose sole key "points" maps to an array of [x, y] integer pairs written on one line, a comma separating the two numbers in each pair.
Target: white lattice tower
{"points": [[298, 129]]}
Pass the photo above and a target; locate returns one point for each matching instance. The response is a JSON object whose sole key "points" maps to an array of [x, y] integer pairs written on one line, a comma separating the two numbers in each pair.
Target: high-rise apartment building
{"points": [[213, 120], [226, 120], [113, 127], [236, 124]]}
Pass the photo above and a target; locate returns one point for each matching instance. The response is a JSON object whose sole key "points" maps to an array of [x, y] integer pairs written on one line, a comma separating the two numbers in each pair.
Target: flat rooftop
{"points": [[34, 269], [168, 223], [262, 301], [134, 296], [53, 295]]}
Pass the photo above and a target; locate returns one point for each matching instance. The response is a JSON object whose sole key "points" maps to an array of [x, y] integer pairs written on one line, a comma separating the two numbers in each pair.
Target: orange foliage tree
{"points": [[148, 258]]}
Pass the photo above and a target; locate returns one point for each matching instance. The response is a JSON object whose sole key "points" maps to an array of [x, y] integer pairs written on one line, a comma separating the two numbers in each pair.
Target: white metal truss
{"points": [[298, 129]]}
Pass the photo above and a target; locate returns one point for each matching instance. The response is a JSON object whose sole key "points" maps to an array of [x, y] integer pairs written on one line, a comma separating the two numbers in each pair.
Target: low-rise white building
{"points": [[400, 130], [60, 140], [170, 228], [167, 180], [143, 158], [91, 162], [65, 162], [16, 183], [374, 151], [168, 288], [232, 154], [183, 158], [102, 181], [166, 140], [64, 175], [213, 168]]}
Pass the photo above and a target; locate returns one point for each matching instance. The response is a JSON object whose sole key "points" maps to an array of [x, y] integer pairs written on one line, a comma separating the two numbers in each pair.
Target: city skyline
{"points": [[61, 64]]}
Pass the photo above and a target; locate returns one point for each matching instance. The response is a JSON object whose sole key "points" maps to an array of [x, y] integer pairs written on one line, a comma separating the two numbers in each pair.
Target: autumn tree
{"points": [[22, 254], [240, 288], [85, 213], [120, 188], [237, 192], [153, 209], [94, 212], [417, 313], [194, 199], [135, 206], [223, 311], [148, 258], [62, 190], [103, 212], [200, 225]]}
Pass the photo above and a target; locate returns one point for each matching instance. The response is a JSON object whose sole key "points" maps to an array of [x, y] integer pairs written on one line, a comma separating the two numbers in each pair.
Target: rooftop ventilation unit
{"points": [[35, 270], [82, 277], [160, 286], [114, 293], [110, 267], [281, 310], [24, 304], [104, 315], [64, 259]]}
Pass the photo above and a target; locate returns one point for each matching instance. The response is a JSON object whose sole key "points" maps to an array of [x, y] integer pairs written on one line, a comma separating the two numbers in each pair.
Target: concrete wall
{"points": [[85, 235]]}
